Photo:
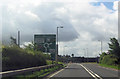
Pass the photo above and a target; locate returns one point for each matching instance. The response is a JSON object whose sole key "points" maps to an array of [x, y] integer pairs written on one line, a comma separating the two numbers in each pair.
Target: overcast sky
{"points": [[84, 23]]}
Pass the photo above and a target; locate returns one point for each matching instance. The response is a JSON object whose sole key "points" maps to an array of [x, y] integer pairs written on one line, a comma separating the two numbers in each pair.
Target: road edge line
{"points": [[57, 72]]}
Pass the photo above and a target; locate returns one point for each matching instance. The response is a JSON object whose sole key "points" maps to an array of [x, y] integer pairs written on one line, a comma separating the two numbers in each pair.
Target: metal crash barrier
{"points": [[26, 70]]}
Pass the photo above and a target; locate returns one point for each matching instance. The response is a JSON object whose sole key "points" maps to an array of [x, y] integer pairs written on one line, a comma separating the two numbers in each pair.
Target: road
{"points": [[85, 71]]}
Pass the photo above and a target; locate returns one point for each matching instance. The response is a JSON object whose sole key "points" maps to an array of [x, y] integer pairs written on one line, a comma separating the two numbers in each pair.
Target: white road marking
{"points": [[58, 72], [94, 75], [89, 72]]}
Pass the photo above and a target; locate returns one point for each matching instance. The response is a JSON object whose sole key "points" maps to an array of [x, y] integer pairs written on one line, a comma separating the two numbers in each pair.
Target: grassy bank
{"points": [[91, 62], [52, 62], [111, 66], [14, 58], [38, 74], [43, 73]]}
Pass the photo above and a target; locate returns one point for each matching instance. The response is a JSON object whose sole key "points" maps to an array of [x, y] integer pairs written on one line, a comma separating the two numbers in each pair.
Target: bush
{"points": [[16, 58], [109, 60], [102, 56]]}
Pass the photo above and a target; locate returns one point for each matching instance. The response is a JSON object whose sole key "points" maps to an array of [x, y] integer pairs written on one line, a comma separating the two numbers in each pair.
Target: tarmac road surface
{"points": [[85, 71]]}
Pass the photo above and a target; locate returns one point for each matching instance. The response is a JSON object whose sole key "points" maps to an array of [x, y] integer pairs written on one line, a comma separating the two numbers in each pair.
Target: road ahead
{"points": [[85, 71]]}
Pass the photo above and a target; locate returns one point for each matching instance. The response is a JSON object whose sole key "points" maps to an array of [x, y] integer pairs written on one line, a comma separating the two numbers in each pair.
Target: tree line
{"points": [[112, 57], [14, 57]]}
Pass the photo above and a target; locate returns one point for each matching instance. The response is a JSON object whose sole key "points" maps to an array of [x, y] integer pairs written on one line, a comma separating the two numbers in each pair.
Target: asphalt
{"points": [[85, 71], [102, 71]]}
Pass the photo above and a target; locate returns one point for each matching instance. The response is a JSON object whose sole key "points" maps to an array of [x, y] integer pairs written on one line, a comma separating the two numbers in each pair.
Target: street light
{"points": [[87, 53], [101, 45], [84, 52], [57, 43], [65, 50]]}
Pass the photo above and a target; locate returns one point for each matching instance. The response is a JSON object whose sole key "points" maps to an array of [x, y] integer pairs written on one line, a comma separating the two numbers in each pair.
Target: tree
{"points": [[30, 46], [13, 41], [102, 56], [114, 47], [72, 55]]}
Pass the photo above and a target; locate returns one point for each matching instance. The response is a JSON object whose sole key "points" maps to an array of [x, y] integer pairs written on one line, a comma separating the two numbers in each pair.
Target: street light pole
{"points": [[18, 38], [65, 50], [57, 44], [87, 53], [84, 52], [101, 45]]}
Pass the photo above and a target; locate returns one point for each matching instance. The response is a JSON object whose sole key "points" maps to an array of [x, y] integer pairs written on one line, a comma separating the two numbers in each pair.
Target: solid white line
{"points": [[95, 74], [89, 72], [56, 72]]}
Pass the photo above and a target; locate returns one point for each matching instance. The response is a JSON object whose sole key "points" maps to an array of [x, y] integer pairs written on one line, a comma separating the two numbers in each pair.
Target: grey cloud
{"points": [[28, 27], [95, 31]]}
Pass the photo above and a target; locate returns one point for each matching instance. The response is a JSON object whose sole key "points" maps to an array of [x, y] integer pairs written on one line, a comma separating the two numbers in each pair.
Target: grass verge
{"points": [[111, 66], [52, 62], [37, 74]]}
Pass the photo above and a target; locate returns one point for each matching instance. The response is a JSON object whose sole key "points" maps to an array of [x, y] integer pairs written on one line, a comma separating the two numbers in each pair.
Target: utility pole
{"points": [[19, 38]]}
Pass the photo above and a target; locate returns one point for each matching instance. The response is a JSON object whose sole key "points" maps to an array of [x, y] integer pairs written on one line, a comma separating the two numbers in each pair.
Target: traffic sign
{"points": [[46, 43]]}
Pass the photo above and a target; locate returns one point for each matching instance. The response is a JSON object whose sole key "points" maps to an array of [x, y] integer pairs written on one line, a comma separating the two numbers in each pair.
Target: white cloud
{"points": [[32, 15], [91, 22], [84, 24], [22, 2], [25, 44], [115, 6], [61, 10]]}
